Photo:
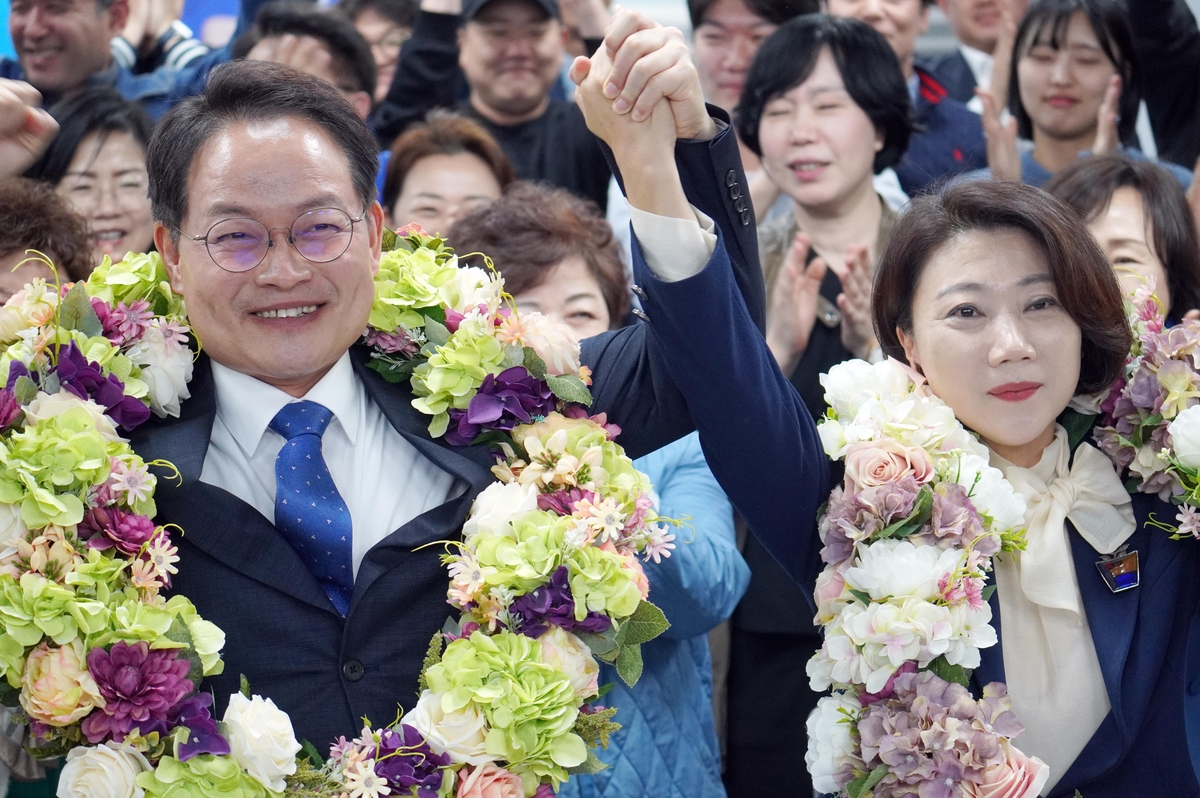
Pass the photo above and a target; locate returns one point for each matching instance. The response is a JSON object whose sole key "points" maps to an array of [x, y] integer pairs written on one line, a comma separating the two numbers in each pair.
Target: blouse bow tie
{"points": [[1087, 492]]}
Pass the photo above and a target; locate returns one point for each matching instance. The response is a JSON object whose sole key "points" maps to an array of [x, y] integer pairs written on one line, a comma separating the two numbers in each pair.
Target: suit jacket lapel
{"points": [[213, 520], [991, 659]]}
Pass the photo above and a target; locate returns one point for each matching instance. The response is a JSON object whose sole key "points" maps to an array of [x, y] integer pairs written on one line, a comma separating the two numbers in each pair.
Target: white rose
{"points": [[569, 654], [1184, 432], [105, 771], [461, 734], [829, 742], [261, 739], [472, 287], [899, 569], [166, 370], [494, 510], [45, 405]]}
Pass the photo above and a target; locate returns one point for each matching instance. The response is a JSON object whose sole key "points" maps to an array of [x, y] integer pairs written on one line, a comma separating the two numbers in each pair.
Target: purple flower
{"points": [[104, 527], [405, 760], [552, 604], [140, 688], [955, 521], [203, 736], [544, 791], [397, 343], [10, 408], [124, 323], [504, 400], [85, 379], [563, 501]]}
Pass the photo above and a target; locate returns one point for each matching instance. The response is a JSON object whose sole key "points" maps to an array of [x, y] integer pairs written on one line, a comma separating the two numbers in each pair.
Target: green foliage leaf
{"points": [[433, 655], [389, 240], [75, 312], [921, 513], [11, 697], [956, 674], [179, 633], [394, 370], [988, 591], [437, 333], [646, 623], [534, 364], [309, 750], [860, 595], [437, 313], [244, 687], [863, 784], [604, 690], [493, 439], [25, 389], [590, 766], [1077, 426], [570, 388], [629, 664], [600, 644]]}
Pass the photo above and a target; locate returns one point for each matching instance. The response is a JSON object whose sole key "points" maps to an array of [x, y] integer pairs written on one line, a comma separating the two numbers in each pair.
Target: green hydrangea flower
{"points": [[525, 560], [136, 277], [207, 637], [454, 373], [204, 776], [49, 465], [530, 706], [405, 283], [600, 583], [12, 660], [36, 607]]}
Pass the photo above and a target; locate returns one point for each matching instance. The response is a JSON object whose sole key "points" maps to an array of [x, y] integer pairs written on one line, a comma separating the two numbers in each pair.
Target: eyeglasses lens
{"points": [[238, 245], [322, 235]]}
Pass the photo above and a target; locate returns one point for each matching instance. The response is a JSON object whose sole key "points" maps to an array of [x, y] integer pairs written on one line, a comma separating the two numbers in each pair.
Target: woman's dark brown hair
{"points": [[533, 228], [443, 134], [1088, 186], [1083, 280], [33, 216]]}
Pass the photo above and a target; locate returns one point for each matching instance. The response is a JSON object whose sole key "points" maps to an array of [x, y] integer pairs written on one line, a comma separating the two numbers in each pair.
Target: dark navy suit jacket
{"points": [[953, 72], [1140, 751], [282, 632], [949, 139]]}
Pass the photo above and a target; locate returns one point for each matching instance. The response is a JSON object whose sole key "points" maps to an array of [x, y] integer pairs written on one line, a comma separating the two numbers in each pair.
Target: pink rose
{"points": [[489, 781], [1018, 776], [831, 586], [877, 463]]}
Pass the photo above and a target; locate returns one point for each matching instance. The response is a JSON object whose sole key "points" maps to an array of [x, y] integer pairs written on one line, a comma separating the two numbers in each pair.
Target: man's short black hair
{"points": [[776, 12], [400, 12], [244, 91], [1046, 21], [866, 61], [98, 110], [351, 53]]}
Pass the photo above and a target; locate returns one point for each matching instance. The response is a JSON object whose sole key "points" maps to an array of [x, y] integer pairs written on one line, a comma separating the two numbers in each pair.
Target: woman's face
{"points": [[439, 189], [993, 341], [817, 144], [1125, 235], [106, 184], [571, 295], [1062, 89]]}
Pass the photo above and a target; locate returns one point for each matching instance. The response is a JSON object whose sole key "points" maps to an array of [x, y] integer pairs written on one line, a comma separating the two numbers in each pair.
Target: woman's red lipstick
{"points": [[1015, 391]]}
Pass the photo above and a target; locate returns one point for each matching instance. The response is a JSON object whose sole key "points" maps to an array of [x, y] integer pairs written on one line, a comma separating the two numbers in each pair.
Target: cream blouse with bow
{"points": [[1050, 663]]}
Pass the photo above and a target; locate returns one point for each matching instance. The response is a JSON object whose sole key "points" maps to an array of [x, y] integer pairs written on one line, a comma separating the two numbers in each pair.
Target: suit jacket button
{"points": [[353, 670], [640, 314], [745, 216], [735, 191], [730, 177], [739, 204]]}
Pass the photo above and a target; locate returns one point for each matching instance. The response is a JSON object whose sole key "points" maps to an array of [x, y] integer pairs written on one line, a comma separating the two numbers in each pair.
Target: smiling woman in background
{"points": [[442, 170], [98, 164]]}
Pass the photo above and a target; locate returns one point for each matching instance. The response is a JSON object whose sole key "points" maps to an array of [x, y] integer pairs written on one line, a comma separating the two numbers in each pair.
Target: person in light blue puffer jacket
{"points": [[667, 746], [558, 257]]}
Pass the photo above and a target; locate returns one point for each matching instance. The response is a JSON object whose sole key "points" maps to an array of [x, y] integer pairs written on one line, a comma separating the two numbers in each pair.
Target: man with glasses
{"points": [[310, 485], [386, 25]]}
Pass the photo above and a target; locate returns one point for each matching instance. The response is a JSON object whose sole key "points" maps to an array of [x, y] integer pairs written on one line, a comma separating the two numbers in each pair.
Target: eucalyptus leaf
{"points": [[629, 664], [436, 332], [25, 389], [75, 312], [570, 388]]}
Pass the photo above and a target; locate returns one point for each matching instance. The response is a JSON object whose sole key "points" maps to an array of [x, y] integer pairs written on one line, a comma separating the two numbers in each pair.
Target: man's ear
{"points": [[169, 249], [118, 15], [361, 102], [375, 222]]}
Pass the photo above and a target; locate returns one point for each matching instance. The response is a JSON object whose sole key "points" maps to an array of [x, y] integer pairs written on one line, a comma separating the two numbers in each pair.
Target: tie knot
{"points": [[302, 418]]}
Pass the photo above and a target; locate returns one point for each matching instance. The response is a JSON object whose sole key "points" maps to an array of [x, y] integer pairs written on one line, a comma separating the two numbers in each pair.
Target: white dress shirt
{"points": [[981, 65], [384, 481]]}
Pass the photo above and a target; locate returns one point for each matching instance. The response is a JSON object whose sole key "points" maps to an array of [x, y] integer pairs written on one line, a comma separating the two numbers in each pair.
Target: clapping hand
{"points": [[25, 128], [1107, 136], [858, 332], [793, 309], [1002, 157]]}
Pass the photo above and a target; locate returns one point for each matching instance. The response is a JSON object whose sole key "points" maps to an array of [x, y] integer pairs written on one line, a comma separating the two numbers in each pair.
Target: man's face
{"points": [[725, 44], [311, 56], [976, 23], [900, 22], [386, 38], [273, 171], [511, 53], [62, 43]]}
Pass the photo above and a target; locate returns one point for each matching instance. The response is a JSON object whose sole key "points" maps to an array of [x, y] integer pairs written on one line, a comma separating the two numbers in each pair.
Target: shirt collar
{"points": [[914, 83], [246, 405], [981, 64]]}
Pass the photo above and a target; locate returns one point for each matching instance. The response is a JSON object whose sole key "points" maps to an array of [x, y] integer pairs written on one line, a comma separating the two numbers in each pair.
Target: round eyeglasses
{"points": [[239, 245]]}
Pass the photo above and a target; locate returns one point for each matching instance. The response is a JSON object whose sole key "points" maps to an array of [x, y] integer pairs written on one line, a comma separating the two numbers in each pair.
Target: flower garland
{"points": [[1150, 418], [546, 580], [908, 542]]}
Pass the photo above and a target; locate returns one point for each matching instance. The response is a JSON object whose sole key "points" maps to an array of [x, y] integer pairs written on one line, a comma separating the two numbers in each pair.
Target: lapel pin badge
{"points": [[1119, 569]]}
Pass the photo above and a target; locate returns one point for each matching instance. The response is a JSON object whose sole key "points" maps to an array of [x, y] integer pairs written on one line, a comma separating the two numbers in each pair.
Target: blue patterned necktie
{"points": [[309, 511]]}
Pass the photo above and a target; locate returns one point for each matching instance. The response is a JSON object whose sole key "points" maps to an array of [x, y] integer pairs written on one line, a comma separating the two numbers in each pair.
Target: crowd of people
{"points": [[802, 147]]}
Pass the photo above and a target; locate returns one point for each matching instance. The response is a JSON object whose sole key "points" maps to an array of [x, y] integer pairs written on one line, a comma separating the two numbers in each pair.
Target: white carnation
{"points": [[497, 506], [850, 384], [898, 569], [165, 368], [461, 734], [830, 744], [103, 771], [261, 739]]}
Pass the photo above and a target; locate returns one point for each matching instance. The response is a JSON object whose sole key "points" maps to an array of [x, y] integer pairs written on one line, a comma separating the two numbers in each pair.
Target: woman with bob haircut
{"points": [[1074, 88], [558, 257], [825, 108], [1140, 217], [999, 295], [442, 170]]}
